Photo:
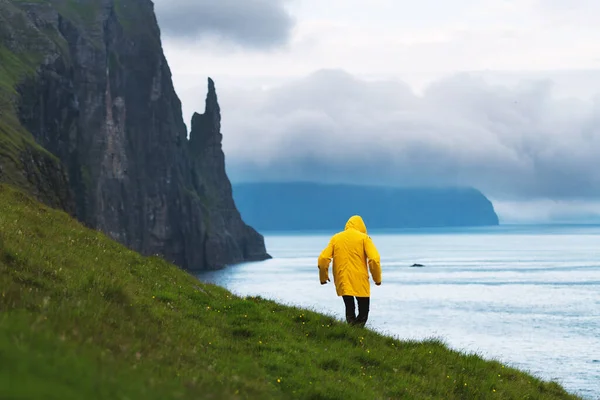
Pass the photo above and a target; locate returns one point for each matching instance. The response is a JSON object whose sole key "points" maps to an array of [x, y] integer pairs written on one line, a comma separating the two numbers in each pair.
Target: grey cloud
{"points": [[511, 142], [250, 23]]}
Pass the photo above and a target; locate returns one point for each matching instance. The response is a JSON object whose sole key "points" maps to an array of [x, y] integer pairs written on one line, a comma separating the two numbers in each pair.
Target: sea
{"points": [[528, 296]]}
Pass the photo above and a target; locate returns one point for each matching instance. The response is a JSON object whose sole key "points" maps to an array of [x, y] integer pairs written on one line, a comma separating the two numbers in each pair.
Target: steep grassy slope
{"points": [[82, 317]]}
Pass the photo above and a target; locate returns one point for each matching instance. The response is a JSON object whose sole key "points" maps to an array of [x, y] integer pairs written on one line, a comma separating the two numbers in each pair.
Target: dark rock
{"points": [[102, 101], [417, 265], [47, 178]]}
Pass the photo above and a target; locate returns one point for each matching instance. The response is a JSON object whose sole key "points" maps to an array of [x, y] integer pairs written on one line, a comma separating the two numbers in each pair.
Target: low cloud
{"points": [[510, 142], [248, 23], [547, 210]]}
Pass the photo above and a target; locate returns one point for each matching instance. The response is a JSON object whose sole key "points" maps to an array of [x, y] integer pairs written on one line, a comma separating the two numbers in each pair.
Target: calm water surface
{"points": [[528, 296]]}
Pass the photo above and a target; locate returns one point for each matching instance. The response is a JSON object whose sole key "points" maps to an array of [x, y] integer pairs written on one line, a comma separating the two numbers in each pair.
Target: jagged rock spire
{"points": [[206, 128], [212, 103]]}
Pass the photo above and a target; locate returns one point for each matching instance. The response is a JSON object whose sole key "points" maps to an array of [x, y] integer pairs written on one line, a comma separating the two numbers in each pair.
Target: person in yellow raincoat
{"points": [[352, 250]]}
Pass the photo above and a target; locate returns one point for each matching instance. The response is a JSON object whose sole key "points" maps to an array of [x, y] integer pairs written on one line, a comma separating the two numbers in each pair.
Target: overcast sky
{"points": [[501, 95]]}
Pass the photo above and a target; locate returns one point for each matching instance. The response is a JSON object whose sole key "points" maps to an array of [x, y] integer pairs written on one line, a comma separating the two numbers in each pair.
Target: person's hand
{"points": [[378, 283]]}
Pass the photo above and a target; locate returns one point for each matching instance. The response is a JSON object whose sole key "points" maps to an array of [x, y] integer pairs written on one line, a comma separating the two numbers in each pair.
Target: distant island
{"points": [[301, 206]]}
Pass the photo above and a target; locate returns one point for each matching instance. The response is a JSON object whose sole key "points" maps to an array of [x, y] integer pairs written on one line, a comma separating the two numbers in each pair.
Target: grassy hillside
{"points": [[83, 317]]}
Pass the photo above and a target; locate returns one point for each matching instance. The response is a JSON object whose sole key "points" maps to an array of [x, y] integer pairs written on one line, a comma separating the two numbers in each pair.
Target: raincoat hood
{"points": [[357, 223]]}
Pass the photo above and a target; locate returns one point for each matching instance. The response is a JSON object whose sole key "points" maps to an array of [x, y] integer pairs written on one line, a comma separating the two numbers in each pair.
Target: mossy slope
{"points": [[23, 162]]}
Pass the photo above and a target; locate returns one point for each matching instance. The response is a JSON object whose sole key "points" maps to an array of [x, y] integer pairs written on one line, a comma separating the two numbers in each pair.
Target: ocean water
{"points": [[528, 296]]}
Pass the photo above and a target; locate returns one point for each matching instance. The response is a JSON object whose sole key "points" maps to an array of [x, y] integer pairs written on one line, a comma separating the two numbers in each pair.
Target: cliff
{"points": [[310, 206], [91, 101]]}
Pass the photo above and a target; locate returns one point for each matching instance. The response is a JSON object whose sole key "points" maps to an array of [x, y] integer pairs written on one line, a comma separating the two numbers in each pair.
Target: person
{"points": [[352, 250]]}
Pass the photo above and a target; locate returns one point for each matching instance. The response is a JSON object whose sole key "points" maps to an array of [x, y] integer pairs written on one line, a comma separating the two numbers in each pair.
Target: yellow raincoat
{"points": [[350, 250]]}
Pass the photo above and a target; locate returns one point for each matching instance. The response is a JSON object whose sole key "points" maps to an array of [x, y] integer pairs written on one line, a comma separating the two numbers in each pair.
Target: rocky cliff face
{"points": [[23, 163], [102, 100]]}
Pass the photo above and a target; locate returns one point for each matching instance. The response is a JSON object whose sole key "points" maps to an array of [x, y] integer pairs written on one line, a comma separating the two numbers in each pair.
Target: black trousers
{"points": [[363, 310]]}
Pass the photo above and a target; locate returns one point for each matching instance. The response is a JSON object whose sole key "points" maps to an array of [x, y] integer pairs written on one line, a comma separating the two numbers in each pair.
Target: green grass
{"points": [[83, 317]]}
